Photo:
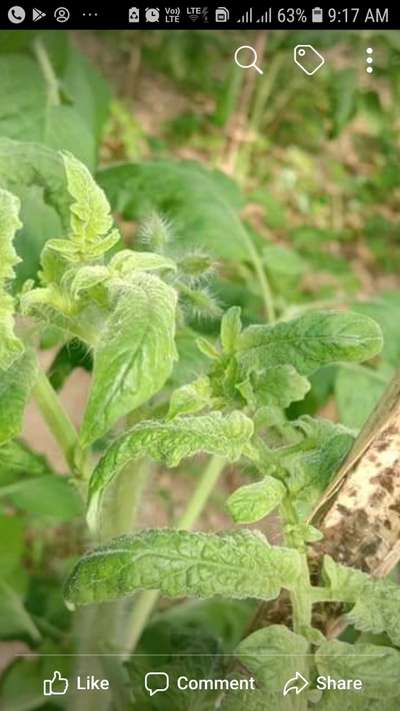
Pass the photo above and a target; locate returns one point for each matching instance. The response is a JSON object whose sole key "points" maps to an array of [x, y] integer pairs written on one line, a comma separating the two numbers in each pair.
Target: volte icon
{"points": [[37, 14]]}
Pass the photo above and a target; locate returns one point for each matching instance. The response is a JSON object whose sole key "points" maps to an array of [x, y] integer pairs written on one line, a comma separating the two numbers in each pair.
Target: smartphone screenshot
{"points": [[199, 357]]}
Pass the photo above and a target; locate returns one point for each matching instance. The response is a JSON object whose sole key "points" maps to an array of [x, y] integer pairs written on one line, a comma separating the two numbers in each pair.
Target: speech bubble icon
{"points": [[155, 682]]}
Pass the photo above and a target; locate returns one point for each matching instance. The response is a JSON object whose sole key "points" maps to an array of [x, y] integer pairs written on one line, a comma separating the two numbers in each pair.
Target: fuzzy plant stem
{"points": [[266, 291], [58, 422], [301, 597], [53, 90], [146, 601]]}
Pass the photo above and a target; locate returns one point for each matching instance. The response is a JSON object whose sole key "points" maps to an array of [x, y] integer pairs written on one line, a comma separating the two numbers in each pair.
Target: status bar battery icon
{"points": [[317, 14]]}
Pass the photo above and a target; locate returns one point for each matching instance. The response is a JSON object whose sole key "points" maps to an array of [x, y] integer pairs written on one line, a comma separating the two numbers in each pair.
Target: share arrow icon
{"points": [[37, 14], [297, 684]]}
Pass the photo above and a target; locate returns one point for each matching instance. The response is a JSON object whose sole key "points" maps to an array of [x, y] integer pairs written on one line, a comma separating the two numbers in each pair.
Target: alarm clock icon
{"points": [[152, 14]]}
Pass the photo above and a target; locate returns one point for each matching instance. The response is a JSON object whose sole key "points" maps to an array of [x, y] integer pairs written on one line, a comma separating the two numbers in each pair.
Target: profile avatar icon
{"points": [[62, 14]]}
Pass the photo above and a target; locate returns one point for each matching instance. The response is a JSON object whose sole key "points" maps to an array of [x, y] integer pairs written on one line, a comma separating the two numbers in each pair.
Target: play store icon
{"points": [[37, 14]]}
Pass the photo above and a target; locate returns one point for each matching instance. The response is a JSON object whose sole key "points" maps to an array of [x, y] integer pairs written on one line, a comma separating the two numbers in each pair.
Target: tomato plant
{"points": [[205, 356]]}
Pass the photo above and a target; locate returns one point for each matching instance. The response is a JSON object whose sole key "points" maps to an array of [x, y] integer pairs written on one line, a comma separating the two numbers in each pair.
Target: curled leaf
{"points": [[134, 355], [231, 327], [127, 262], [16, 384], [90, 211], [190, 398], [376, 603], [87, 278], [278, 386], [376, 666], [251, 503], [170, 442], [10, 346], [236, 564]]}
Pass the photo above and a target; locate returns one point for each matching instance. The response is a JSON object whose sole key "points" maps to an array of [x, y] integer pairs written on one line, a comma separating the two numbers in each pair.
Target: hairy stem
{"points": [[266, 291], [120, 512], [146, 601], [58, 422], [301, 597], [53, 92], [201, 494]]}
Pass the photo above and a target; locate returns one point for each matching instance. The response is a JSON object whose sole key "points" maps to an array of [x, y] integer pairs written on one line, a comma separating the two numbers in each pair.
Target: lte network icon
{"points": [[134, 14], [221, 14]]}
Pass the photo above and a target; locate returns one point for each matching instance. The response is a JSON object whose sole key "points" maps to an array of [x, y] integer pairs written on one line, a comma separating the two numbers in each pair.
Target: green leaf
{"points": [[54, 306], [236, 565], [354, 701], [231, 327], [190, 398], [36, 175], [9, 224], [50, 496], [169, 443], [251, 700], [87, 278], [310, 341], [283, 261], [18, 461], [127, 262], [325, 448], [16, 384], [12, 547], [284, 267], [274, 387], [251, 503], [385, 309], [274, 654], [14, 619], [193, 198], [207, 348], [280, 386], [10, 346], [377, 602], [376, 666], [134, 355], [88, 90], [357, 392], [31, 115], [91, 220]]}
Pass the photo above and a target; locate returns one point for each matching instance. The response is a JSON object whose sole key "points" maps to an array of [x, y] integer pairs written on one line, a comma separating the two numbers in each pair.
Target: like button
{"points": [[57, 686]]}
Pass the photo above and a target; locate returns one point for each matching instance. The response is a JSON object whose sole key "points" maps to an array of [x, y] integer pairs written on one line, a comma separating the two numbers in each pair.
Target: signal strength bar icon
{"points": [[265, 18], [247, 17]]}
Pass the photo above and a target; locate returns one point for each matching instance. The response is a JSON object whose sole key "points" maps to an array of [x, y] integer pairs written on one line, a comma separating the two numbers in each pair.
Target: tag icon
{"points": [[308, 59]]}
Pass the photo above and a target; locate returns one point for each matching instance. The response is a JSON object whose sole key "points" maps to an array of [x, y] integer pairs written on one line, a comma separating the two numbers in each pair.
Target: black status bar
{"points": [[92, 15]]}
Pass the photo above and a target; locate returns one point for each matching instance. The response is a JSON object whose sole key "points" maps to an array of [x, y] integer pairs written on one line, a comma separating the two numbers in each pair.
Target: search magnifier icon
{"points": [[247, 52]]}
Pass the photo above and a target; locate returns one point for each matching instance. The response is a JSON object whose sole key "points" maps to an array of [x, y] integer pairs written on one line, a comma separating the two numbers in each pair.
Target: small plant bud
{"points": [[155, 233], [196, 267]]}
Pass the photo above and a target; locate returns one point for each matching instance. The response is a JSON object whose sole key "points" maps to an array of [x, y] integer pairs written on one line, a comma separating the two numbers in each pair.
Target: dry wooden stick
{"points": [[359, 514]]}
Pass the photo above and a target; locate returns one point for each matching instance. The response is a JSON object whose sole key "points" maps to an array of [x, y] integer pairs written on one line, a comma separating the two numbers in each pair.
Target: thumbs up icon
{"points": [[57, 686]]}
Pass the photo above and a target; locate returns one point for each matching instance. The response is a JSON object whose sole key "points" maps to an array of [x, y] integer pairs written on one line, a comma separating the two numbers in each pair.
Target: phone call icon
{"points": [[16, 14]]}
